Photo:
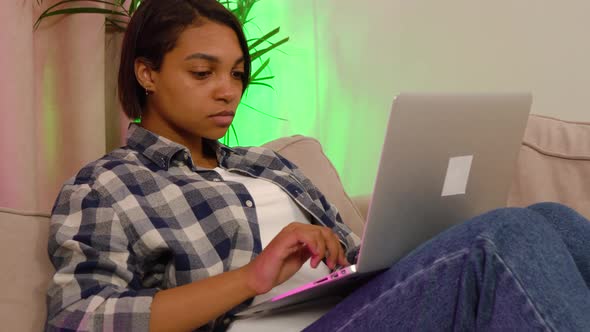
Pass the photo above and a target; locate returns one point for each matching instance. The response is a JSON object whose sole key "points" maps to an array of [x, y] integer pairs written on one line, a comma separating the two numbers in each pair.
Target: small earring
{"points": [[147, 92]]}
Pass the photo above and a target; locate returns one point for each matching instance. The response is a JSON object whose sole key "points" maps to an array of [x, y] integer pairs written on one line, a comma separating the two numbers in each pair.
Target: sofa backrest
{"points": [[307, 154], [553, 164], [26, 270]]}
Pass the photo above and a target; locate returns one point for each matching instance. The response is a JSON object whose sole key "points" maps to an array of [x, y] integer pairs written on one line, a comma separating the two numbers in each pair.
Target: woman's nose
{"points": [[228, 89]]}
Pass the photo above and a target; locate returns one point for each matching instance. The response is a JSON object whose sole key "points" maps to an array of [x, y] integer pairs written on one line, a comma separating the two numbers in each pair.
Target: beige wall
{"points": [[536, 45]]}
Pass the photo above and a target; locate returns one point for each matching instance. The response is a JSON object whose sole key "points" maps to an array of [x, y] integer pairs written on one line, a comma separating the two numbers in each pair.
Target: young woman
{"points": [[175, 230]]}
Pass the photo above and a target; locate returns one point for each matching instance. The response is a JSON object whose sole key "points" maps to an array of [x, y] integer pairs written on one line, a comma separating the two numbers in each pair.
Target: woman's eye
{"points": [[201, 74], [238, 75]]}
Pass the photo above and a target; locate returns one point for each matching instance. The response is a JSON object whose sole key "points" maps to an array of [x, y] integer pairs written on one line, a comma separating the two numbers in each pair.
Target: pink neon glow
{"points": [[294, 291], [331, 277]]}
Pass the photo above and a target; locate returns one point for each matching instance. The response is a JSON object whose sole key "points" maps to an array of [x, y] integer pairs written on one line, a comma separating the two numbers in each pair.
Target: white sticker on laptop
{"points": [[457, 176]]}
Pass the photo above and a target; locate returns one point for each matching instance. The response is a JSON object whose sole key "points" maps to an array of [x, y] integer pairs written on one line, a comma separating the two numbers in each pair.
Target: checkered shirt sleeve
{"points": [[96, 286]]}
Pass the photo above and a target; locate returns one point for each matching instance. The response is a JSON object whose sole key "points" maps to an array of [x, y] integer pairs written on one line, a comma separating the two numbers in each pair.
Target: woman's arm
{"points": [[190, 306], [187, 307], [96, 285]]}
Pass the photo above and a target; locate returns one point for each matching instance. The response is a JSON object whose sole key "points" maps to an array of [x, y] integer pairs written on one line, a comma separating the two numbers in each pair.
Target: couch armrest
{"points": [[26, 269], [362, 204]]}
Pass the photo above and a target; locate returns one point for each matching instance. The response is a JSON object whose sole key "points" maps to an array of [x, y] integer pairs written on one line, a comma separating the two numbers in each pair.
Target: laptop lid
{"points": [[445, 158]]}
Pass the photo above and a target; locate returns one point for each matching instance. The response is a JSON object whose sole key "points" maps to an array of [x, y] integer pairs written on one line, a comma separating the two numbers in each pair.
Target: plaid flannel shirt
{"points": [[144, 218]]}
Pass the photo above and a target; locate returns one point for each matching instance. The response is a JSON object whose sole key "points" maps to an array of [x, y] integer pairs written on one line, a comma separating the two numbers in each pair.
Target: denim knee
{"points": [[507, 226], [553, 211], [506, 217]]}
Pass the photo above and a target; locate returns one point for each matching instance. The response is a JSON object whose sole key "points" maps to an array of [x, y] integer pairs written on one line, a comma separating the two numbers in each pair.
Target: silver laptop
{"points": [[445, 158]]}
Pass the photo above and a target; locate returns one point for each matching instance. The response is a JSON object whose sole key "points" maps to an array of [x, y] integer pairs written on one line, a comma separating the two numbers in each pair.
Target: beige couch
{"points": [[554, 165]]}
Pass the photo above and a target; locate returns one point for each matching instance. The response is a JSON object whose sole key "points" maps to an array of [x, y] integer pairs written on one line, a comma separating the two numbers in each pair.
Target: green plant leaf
{"points": [[264, 38], [258, 111], [119, 24], [122, 5], [264, 78], [225, 138], [240, 8], [133, 6], [123, 22], [259, 53], [63, 2], [248, 20], [233, 129], [81, 10], [263, 84], [259, 70], [248, 7], [78, 10]]}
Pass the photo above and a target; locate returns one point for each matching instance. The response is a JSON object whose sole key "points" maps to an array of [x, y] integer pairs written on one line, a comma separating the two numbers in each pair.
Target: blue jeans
{"points": [[511, 269]]}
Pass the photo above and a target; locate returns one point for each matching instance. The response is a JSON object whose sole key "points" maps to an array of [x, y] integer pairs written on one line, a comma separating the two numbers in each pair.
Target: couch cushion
{"points": [[553, 164], [307, 154], [26, 270]]}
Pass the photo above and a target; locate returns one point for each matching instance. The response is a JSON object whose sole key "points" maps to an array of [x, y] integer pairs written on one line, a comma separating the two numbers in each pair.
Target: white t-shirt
{"points": [[275, 210]]}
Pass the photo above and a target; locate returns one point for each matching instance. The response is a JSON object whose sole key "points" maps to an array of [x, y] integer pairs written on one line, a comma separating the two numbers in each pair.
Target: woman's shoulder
{"points": [[117, 163]]}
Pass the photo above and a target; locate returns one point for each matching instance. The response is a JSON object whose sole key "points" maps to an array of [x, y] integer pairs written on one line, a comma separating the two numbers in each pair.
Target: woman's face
{"points": [[199, 85]]}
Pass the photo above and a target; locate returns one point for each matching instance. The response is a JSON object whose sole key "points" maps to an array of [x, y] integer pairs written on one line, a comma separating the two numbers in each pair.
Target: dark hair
{"points": [[154, 30]]}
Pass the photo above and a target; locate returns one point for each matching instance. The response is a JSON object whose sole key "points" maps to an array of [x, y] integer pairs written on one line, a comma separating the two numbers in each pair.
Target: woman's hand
{"points": [[289, 250]]}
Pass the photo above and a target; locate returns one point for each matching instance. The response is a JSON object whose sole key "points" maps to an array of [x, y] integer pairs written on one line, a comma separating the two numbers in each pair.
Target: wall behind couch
{"points": [[533, 45]]}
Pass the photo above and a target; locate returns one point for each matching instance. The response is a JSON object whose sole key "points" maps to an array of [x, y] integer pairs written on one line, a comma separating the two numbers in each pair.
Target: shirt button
{"points": [[249, 203], [186, 156]]}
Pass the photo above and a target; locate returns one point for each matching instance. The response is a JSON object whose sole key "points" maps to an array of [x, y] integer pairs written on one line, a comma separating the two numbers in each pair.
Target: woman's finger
{"points": [[310, 238], [342, 261], [321, 247], [334, 248]]}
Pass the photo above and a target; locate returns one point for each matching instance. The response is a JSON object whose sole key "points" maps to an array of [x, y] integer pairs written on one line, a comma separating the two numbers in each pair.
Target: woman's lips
{"points": [[222, 119]]}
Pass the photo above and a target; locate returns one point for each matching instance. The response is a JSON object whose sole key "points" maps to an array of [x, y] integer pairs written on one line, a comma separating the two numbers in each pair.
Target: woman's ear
{"points": [[145, 75]]}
